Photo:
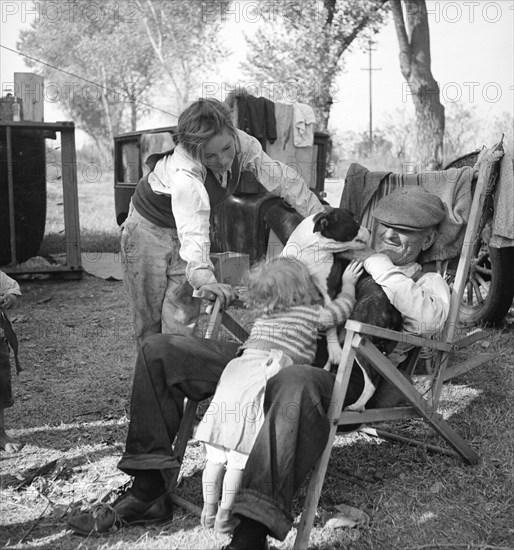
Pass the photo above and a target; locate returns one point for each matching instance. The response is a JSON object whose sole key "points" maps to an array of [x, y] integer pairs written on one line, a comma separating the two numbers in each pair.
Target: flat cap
{"points": [[411, 208]]}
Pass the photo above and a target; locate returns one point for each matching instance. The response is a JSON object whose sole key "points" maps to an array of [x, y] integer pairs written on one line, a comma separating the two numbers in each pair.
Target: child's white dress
{"points": [[276, 341]]}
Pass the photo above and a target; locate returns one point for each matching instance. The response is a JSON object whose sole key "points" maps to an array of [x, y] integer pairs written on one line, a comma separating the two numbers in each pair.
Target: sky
{"points": [[472, 50]]}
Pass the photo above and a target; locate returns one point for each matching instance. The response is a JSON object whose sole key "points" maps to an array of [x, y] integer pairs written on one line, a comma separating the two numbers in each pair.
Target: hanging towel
{"points": [[303, 121]]}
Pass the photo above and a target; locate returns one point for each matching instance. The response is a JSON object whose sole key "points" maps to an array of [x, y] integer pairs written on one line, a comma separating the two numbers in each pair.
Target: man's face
{"points": [[402, 246]]}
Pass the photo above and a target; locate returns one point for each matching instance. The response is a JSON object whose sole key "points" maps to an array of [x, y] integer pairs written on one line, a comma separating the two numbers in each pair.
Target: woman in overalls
{"points": [[166, 242]]}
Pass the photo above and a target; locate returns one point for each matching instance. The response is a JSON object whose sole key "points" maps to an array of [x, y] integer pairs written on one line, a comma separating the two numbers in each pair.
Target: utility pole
{"points": [[370, 69]]}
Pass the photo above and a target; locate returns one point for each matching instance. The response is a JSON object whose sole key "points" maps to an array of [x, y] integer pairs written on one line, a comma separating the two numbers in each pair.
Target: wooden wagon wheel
{"points": [[490, 286]]}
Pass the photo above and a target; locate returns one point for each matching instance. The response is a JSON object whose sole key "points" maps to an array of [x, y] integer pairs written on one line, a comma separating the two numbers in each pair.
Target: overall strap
{"points": [[417, 275], [218, 193]]}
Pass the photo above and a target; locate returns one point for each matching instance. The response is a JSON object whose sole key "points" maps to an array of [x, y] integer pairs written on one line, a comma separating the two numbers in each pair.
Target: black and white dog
{"points": [[314, 242], [317, 242]]}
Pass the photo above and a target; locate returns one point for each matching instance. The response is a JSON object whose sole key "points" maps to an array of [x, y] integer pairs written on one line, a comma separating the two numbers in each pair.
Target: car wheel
{"points": [[490, 287]]}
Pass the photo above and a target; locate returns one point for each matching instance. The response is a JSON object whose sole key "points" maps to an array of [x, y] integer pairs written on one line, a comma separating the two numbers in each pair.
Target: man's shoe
{"points": [[125, 510], [248, 535], [263, 546], [133, 511]]}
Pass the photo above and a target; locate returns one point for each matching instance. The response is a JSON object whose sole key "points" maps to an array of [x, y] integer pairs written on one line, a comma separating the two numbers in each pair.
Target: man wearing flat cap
{"points": [[408, 220], [171, 367]]}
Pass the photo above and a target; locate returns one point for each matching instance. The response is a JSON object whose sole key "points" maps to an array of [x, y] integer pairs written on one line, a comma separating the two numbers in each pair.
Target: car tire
{"points": [[490, 288]]}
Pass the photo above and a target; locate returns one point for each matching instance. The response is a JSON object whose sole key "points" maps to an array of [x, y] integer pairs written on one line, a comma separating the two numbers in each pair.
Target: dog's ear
{"points": [[320, 221], [320, 224]]}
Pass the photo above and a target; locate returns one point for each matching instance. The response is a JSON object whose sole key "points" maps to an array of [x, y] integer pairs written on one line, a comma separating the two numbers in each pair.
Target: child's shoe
{"points": [[208, 516], [225, 522]]}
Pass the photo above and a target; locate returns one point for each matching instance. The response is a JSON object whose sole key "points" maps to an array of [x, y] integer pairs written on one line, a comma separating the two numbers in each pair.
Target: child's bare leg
{"points": [[231, 484], [225, 522], [7, 443], [211, 486]]}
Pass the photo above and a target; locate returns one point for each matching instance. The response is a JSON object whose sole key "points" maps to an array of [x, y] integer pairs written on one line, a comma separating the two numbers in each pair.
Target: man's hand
{"points": [[211, 291], [361, 254]]}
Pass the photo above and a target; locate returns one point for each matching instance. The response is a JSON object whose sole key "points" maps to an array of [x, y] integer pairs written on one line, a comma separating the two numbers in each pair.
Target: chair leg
{"points": [[428, 412], [183, 435], [318, 474], [313, 493]]}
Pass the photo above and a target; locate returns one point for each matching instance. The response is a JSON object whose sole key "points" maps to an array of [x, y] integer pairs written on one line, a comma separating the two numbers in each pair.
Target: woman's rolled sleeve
{"points": [[191, 209]]}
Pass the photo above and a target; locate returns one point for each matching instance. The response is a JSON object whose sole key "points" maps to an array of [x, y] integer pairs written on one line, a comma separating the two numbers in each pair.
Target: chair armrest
{"points": [[470, 338], [371, 330]]}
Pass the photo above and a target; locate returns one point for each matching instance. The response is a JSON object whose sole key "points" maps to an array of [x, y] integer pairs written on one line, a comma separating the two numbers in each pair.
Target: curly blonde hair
{"points": [[279, 284], [201, 121]]}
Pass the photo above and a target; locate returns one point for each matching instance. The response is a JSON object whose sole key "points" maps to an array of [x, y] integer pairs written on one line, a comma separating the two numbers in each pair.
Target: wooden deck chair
{"points": [[357, 340]]}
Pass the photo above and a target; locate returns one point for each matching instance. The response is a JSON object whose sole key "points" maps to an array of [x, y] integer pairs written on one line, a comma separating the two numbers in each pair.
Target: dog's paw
{"points": [[356, 408]]}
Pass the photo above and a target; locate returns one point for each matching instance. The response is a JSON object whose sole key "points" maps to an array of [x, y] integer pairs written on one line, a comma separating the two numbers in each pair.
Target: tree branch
{"points": [[403, 39], [358, 28]]}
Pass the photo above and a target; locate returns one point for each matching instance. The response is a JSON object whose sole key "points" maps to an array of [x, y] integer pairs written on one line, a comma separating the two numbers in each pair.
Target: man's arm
{"points": [[424, 304], [358, 254]]}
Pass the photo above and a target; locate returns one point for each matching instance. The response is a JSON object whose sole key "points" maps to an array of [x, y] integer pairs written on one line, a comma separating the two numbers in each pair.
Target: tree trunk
{"points": [[106, 107], [133, 113], [324, 102], [414, 42]]}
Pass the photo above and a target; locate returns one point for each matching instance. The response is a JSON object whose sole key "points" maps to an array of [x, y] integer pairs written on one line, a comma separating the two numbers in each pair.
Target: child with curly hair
{"points": [[290, 312]]}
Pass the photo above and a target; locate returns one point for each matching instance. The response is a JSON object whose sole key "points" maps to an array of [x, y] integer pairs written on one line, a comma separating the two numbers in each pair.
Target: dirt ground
{"points": [[71, 406]]}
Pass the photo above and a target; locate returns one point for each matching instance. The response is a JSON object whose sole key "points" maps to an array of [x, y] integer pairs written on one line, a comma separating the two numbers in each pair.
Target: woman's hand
{"points": [[8, 301], [211, 291]]}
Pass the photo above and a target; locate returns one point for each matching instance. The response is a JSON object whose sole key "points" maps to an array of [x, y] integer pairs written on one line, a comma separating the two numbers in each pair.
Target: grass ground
{"points": [[99, 230], [72, 401], [72, 404]]}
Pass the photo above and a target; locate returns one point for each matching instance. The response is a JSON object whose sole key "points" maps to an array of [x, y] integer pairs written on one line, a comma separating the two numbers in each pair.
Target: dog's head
{"points": [[336, 223]]}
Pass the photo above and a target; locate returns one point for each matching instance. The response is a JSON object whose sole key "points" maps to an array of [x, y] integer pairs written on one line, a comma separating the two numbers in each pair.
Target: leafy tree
{"points": [[298, 48], [117, 51], [414, 41], [502, 123], [96, 64], [185, 42], [398, 129], [461, 129]]}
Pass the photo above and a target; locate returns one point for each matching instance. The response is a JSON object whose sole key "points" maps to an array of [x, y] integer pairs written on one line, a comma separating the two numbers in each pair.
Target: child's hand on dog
{"points": [[353, 272]]}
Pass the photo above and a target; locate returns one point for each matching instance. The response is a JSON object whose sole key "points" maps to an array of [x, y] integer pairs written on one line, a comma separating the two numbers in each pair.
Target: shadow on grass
{"points": [[415, 497]]}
